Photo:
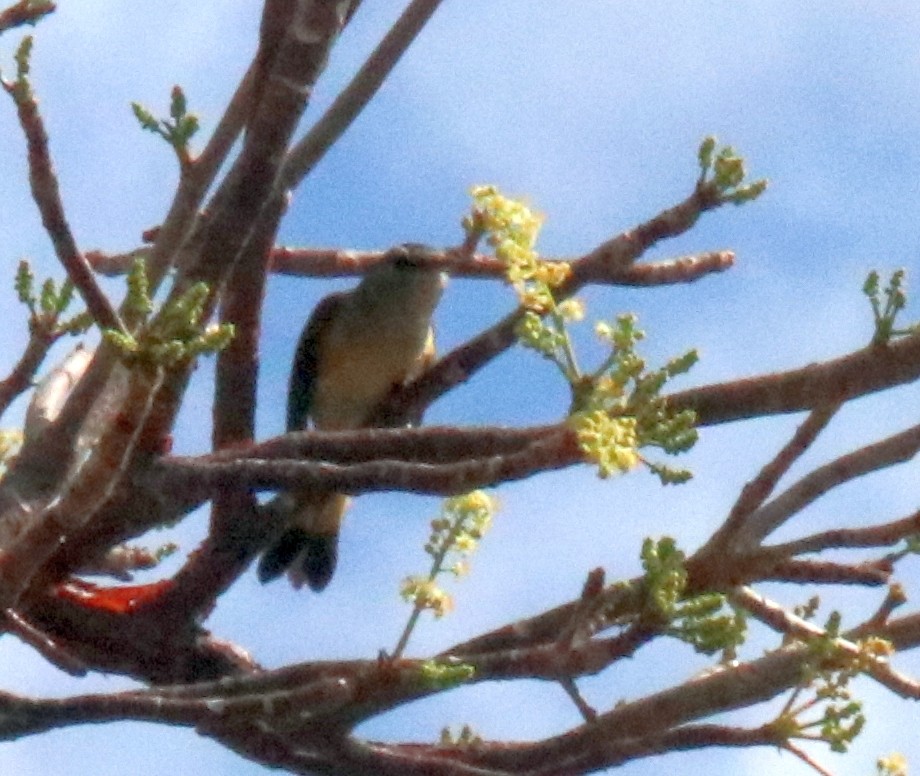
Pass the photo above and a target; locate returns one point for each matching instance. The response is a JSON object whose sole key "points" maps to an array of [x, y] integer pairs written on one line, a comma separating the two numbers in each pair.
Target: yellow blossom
{"points": [[425, 594], [572, 309], [540, 300], [612, 443], [553, 273]]}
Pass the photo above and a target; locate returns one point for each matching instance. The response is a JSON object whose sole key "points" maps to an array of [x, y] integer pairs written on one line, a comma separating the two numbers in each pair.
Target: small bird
{"points": [[356, 347]]}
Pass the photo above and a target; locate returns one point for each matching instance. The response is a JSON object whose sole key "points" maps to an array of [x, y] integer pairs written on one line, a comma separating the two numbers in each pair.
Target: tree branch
{"points": [[47, 196], [865, 371], [24, 12], [353, 98], [895, 449], [20, 378]]}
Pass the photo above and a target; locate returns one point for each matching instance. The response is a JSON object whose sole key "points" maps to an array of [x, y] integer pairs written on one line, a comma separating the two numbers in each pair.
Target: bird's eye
{"points": [[412, 256], [404, 261]]}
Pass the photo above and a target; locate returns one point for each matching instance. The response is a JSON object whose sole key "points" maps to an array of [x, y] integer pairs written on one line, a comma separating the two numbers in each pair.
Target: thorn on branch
{"points": [[588, 712], [579, 625]]}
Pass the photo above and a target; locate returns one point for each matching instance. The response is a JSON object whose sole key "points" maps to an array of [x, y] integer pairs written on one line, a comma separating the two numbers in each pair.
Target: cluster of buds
{"points": [[511, 229], [455, 534], [616, 409]]}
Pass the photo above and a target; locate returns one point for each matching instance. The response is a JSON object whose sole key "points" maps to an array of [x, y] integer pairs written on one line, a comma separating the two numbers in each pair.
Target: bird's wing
{"points": [[306, 360]]}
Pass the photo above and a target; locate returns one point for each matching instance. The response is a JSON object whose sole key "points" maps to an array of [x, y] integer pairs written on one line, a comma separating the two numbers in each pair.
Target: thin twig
{"points": [[21, 377], [354, 97], [805, 758], [754, 493], [194, 183], [47, 196], [883, 535], [46, 646], [579, 626], [24, 12], [896, 449], [588, 713]]}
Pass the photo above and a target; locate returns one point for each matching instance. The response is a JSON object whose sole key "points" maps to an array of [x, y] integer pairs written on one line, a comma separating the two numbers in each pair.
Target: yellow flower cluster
{"points": [[477, 505], [611, 442], [893, 765], [873, 650], [455, 532], [617, 406], [504, 220], [511, 228], [425, 594]]}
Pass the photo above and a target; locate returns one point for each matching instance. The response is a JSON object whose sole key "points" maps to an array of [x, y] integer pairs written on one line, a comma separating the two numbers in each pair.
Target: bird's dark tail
{"points": [[310, 557], [308, 548]]}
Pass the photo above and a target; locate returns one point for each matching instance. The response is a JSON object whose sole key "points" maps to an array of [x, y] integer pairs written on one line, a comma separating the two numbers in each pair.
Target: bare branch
{"points": [[427, 444], [888, 452], [341, 262], [871, 573], [352, 100], [759, 489], [47, 196], [20, 378], [24, 12], [205, 478], [52, 651], [883, 535], [871, 369]]}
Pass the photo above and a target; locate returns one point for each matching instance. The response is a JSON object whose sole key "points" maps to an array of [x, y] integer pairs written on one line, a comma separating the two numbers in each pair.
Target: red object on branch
{"points": [[120, 600]]}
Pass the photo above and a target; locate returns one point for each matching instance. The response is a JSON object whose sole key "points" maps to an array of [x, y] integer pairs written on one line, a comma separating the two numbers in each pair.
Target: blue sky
{"points": [[593, 110]]}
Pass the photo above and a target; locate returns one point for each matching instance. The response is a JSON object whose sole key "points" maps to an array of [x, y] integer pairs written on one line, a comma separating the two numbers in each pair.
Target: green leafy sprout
{"points": [[47, 305], [616, 409], [725, 169], [21, 88], [176, 334], [455, 534], [465, 737], [838, 716], [707, 622], [177, 130], [887, 303], [444, 675]]}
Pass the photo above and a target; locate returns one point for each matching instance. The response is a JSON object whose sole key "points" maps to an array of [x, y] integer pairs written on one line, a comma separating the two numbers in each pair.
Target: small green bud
{"points": [[444, 676], [177, 105], [145, 118], [705, 153]]}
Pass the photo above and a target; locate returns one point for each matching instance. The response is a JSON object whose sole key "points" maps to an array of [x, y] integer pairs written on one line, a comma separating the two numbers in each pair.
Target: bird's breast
{"points": [[358, 370]]}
